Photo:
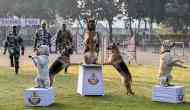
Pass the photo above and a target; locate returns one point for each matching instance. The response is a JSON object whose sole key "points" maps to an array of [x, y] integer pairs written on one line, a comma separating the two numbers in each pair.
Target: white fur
{"points": [[165, 68], [41, 62], [42, 78]]}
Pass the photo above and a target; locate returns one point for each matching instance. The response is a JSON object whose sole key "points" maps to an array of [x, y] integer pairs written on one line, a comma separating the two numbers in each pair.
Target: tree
{"points": [[102, 9], [6, 7], [33, 8], [43, 9], [110, 9], [177, 14], [64, 8]]}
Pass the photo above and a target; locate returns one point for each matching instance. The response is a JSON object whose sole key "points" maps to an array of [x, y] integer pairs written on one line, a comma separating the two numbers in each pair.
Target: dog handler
{"points": [[14, 44]]}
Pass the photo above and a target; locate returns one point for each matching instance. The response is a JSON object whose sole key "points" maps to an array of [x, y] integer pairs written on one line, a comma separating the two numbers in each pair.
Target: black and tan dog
{"points": [[91, 40], [60, 63], [117, 61]]}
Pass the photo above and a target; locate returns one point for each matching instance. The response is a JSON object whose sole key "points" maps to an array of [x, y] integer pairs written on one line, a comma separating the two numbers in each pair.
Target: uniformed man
{"points": [[43, 37], [64, 46], [63, 41], [14, 43]]}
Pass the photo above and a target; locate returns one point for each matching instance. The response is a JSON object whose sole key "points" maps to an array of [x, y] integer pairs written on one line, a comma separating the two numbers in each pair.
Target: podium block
{"points": [[90, 80], [38, 97], [171, 94]]}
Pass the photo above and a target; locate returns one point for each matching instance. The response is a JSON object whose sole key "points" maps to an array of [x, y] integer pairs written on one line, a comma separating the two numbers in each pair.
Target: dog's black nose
{"points": [[108, 48]]}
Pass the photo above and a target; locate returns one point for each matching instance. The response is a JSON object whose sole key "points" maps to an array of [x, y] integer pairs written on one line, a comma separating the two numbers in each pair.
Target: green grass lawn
{"points": [[145, 77]]}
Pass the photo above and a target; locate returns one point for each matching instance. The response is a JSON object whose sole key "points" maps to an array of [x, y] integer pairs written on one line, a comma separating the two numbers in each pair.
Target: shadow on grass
{"points": [[50, 107], [184, 104], [148, 84]]}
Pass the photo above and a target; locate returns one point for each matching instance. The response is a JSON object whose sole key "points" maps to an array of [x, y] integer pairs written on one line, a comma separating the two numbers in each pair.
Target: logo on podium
{"points": [[180, 97], [34, 99], [93, 80]]}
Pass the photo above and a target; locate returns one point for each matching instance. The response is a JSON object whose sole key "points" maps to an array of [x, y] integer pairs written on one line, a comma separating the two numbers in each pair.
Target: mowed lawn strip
{"points": [[144, 78]]}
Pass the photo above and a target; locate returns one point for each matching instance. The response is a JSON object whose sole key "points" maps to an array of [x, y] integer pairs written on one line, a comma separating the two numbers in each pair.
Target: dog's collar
{"points": [[165, 51]]}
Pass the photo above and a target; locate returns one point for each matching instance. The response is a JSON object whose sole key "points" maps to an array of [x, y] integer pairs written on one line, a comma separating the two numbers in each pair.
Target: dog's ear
{"points": [[86, 19], [113, 44], [117, 44], [173, 43]]}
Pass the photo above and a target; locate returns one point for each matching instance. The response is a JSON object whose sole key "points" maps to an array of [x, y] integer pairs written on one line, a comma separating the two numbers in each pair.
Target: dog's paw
{"points": [[130, 93]]}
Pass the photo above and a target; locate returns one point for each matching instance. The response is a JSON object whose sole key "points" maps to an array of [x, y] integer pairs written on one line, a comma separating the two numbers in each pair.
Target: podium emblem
{"points": [[180, 97], [93, 80], [34, 99]]}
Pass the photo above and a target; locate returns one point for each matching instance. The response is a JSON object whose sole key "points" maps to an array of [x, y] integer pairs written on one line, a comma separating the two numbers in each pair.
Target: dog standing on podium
{"points": [[41, 62], [92, 42], [167, 62], [117, 61]]}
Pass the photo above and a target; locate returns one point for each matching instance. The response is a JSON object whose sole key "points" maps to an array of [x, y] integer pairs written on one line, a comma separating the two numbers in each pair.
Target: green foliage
{"points": [[101, 9], [6, 7], [173, 13], [44, 9]]}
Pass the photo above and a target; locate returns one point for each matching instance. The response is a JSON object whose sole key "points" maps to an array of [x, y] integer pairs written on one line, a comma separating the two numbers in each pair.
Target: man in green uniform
{"points": [[14, 45], [64, 46]]}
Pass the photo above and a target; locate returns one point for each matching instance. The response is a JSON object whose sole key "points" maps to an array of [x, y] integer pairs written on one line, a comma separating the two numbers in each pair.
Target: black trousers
{"points": [[14, 60]]}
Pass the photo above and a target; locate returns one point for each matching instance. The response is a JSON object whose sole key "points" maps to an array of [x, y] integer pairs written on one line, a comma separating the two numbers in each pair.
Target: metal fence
{"points": [[147, 54]]}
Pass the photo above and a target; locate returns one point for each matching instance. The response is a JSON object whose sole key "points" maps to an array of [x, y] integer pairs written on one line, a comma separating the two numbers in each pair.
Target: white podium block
{"points": [[90, 80], [171, 94], [38, 97]]}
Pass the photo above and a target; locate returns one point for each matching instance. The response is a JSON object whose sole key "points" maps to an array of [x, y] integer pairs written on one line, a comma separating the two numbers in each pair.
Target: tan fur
{"points": [[166, 64], [115, 57], [90, 37], [165, 69], [115, 60]]}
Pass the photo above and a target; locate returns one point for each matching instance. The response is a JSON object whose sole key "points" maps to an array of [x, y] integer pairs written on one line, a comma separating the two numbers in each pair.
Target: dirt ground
{"points": [[143, 57], [24, 60]]}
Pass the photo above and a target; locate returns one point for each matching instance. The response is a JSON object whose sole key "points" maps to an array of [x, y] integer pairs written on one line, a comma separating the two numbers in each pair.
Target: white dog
{"points": [[41, 62], [166, 63]]}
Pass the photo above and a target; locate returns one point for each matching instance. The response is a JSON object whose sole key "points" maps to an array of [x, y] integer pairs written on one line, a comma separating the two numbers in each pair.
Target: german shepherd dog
{"points": [[117, 61], [60, 63], [91, 43]]}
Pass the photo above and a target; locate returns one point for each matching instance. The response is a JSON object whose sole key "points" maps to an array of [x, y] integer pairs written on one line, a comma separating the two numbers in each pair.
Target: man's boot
{"points": [[11, 61]]}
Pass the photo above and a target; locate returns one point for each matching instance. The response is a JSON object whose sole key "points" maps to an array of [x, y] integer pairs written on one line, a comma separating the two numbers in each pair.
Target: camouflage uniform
{"points": [[64, 45], [14, 43], [43, 37], [64, 40]]}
